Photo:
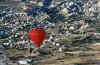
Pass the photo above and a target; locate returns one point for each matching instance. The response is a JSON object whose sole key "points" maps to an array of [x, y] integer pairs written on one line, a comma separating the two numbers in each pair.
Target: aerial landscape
{"points": [[49, 32]]}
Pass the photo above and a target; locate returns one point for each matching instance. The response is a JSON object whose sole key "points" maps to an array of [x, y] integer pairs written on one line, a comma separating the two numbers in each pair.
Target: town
{"points": [[72, 32]]}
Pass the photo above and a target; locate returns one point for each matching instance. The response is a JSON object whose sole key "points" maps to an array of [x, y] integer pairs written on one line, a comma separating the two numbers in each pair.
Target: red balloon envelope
{"points": [[38, 35]]}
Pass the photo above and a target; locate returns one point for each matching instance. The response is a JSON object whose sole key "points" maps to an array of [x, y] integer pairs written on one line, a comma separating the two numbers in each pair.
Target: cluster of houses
{"points": [[15, 25]]}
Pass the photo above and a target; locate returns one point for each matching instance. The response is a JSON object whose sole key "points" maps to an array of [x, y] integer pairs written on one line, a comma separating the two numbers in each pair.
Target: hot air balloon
{"points": [[37, 35]]}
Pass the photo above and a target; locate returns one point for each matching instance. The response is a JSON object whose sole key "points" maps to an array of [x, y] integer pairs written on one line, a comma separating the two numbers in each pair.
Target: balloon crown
{"points": [[36, 28]]}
